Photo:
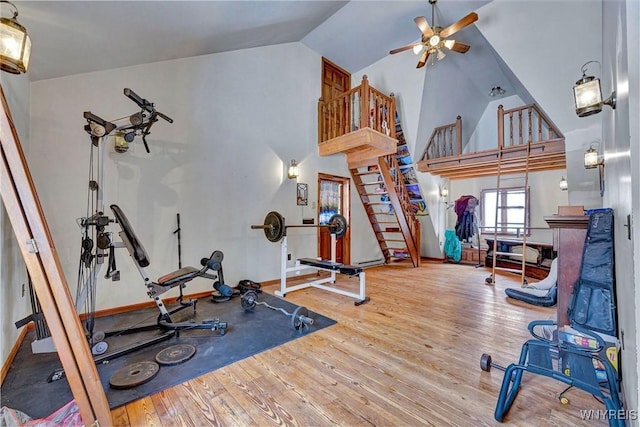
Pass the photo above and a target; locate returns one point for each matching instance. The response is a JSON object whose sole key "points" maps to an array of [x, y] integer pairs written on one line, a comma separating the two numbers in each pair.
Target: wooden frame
{"points": [[40, 255]]}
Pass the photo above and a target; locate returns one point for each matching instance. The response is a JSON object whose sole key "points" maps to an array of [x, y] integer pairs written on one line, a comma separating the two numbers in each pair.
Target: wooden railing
{"points": [[445, 141], [518, 125], [405, 201], [525, 124], [360, 107]]}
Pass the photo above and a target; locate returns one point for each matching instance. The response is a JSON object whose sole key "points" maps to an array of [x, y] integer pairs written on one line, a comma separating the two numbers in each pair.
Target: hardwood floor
{"points": [[410, 357]]}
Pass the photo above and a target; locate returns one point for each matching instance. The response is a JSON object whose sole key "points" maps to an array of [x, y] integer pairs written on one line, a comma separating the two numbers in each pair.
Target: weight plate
{"points": [[296, 323], [98, 336], [134, 375], [99, 348], [338, 225], [217, 256], [485, 362], [275, 226], [249, 300], [175, 354]]}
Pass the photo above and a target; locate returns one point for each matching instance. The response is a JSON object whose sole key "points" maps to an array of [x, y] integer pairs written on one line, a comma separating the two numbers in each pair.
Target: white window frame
{"points": [[488, 211]]}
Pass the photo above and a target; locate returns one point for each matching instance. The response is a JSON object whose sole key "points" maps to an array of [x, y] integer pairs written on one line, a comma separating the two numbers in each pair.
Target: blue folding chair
{"points": [[591, 311]]}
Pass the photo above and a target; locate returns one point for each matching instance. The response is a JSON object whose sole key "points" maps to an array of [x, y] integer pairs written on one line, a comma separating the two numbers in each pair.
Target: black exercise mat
{"points": [[25, 387]]}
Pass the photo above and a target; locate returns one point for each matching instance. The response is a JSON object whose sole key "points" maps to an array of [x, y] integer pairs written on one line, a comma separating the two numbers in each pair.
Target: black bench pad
{"points": [[335, 266]]}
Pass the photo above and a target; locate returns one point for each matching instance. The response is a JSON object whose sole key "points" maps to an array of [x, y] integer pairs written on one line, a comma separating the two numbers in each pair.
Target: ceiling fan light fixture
{"points": [[417, 49], [434, 40], [496, 91], [449, 43]]}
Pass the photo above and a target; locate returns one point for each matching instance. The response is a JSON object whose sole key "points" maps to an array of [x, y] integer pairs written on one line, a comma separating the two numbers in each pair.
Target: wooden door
{"points": [[333, 198], [335, 80]]}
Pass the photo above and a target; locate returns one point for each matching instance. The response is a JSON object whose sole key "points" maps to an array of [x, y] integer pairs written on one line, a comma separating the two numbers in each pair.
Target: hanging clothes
{"points": [[465, 207]]}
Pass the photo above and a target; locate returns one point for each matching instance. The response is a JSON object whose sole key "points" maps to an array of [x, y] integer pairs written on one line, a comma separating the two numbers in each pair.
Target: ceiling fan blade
{"points": [[403, 48], [422, 23], [423, 59], [454, 28], [459, 47]]}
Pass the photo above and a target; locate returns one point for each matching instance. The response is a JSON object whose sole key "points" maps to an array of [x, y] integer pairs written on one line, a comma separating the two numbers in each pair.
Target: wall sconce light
{"points": [[564, 185], [588, 95], [293, 170], [591, 161], [496, 91], [15, 44], [444, 193]]}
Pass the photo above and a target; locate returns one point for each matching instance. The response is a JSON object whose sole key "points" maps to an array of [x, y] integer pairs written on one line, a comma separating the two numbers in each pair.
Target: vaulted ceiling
{"points": [[71, 37]]}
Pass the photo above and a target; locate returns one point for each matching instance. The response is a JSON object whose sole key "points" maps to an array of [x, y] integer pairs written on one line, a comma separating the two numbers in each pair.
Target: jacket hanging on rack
{"points": [[465, 207]]}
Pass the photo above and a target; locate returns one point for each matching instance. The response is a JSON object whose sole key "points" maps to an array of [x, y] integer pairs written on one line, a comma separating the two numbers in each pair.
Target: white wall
{"points": [[15, 305], [633, 56], [239, 118], [618, 67]]}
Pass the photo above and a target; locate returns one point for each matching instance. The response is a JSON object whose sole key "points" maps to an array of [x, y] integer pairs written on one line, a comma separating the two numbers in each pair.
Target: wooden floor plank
{"points": [[411, 356]]}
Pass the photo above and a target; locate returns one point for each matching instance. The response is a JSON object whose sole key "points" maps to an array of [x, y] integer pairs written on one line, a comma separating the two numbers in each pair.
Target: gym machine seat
{"points": [[168, 281]]}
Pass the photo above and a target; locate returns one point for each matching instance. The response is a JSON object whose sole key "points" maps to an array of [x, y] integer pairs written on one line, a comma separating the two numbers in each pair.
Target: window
{"points": [[508, 209]]}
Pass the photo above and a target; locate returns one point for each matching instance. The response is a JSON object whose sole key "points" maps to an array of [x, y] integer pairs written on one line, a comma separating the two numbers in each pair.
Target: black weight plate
{"points": [[338, 225], [485, 362], [296, 323], [175, 354], [133, 375], [249, 300], [275, 230]]}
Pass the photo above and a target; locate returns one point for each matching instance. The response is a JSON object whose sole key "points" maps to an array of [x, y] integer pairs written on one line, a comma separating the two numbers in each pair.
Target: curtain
{"points": [[329, 200]]}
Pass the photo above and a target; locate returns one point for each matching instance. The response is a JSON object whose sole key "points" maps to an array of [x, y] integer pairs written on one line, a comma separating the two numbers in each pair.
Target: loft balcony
{"points": [[359, 123], [519, 129]]}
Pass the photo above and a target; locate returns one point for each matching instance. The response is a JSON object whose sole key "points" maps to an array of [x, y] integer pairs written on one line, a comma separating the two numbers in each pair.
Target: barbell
{"points": [[275, 229], [299, 318]]}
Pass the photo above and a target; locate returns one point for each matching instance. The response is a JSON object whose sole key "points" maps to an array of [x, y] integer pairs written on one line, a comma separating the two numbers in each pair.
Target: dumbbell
{"points": [[486, 364]]}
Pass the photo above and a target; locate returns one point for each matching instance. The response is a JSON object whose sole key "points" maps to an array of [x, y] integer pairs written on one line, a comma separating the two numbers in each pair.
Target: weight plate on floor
{"points": [[134, 375], [175, 354], [98, 336], [485, 362], [249, 300], [296, 323], [99, 348]]}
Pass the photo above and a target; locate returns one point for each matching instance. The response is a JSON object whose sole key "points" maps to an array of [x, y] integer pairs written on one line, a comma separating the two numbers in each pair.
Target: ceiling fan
{"points": [[435, 38]]}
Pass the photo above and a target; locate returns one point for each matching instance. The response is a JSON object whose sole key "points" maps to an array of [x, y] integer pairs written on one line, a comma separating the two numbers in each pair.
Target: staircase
{"points": [[389, 209], [360, 123]]}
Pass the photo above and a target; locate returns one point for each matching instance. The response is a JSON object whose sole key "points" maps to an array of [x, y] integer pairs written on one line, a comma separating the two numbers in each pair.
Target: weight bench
{"points": [[177, 278], [324, 265]]}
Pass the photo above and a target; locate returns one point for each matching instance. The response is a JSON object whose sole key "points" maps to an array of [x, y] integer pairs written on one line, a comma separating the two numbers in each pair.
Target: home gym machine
{"points": [[275, 230], [98, 245]]}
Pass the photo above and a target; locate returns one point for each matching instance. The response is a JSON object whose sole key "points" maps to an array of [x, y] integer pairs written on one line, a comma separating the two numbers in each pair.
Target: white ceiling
{"points": [[72, 37]]}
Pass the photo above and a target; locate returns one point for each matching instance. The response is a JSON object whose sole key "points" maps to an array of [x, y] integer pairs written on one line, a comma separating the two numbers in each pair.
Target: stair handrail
{"points": [[405, 200], [343, 113], [445, 141]]}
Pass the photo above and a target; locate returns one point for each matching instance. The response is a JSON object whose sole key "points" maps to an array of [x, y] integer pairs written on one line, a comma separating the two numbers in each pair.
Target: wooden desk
{"points": [[570, 231]]}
